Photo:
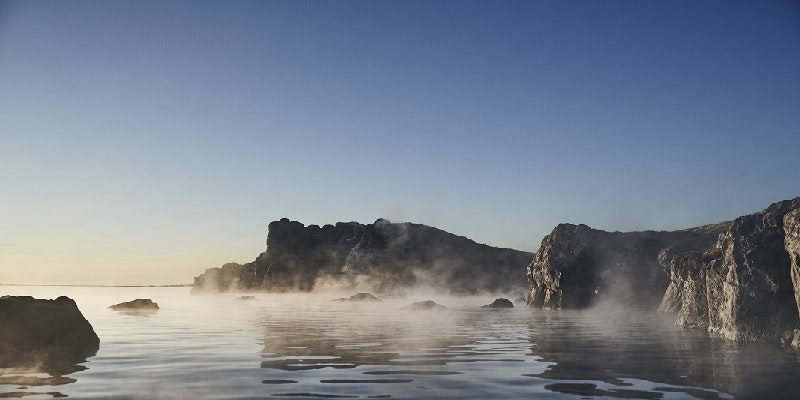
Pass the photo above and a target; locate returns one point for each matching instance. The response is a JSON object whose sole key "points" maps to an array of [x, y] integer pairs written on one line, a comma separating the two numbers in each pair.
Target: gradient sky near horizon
{"points": [[142, 142]]}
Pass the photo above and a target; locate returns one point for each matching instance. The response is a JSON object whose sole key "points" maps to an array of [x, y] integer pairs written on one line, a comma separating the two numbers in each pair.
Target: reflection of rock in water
{"points": [[617, 348], [42, 336], [368, 336]]}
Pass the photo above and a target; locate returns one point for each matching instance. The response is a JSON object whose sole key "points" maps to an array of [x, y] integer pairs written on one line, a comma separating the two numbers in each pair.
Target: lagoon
{"points": [[303, 346]]}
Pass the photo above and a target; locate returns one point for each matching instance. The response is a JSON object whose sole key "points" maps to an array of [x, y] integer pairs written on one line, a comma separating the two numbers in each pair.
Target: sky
{"points": [[142, 142]]}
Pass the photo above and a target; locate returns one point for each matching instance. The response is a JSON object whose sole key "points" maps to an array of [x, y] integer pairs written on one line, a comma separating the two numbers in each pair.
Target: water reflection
{"points": [[17, 379], [380, 351], [472, 353], [624, 350]]}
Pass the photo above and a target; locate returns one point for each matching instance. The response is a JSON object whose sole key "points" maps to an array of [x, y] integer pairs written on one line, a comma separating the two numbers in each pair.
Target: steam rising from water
{"points": [[306, 345]]}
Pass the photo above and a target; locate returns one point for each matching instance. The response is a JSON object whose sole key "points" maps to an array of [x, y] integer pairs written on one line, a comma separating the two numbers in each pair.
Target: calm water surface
{"points": [[307, 346]]}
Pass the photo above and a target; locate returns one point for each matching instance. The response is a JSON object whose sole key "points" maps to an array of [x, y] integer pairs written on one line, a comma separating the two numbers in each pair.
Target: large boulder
{"points": [[381, 257], [52, 335]]}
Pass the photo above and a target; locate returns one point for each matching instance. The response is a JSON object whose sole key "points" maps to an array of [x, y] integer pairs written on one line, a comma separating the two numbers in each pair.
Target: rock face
{"points": [[791, 225], [738, 279], [51, 334], [577, 266], [382, 257], [136, 305]]}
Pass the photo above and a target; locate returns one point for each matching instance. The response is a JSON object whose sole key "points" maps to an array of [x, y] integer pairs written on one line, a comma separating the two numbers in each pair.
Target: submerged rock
{"points": [[424, 305], [49, 334], [360, 297], [500, 303], [136, 305]]}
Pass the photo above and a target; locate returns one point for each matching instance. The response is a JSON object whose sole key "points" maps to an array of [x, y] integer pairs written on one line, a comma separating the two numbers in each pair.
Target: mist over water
{"points": [[308, 346]]}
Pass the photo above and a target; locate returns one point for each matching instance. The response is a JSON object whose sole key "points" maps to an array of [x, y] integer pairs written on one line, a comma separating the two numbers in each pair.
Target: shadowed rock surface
{"points": [[382, 257], [51, 335], [424, 305], [737, 279], [500, 303], [136, 305]]}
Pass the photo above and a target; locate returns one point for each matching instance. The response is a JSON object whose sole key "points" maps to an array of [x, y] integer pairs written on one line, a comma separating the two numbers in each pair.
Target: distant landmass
{"points": [[381, 257], [738, 279]]}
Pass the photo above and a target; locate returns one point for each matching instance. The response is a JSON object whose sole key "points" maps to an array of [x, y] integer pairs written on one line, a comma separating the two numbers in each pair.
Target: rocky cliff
{"points": [[738, 279], [382, 257]]}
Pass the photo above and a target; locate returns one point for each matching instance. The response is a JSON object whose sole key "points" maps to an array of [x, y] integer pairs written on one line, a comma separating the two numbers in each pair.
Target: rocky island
{"points": [[381, 257], [738, 279]]}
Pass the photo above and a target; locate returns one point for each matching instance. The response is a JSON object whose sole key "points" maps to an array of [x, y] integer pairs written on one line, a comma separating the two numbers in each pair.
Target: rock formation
{"points": [[362, 297], [382, 257], [136, 305], [424, 306], [577, 266], [49, 334], [500, 303], [737, 279]]}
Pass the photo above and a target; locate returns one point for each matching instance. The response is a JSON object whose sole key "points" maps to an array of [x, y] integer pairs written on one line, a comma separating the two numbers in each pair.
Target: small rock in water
{"points": [[136, 305], [359, 297], [500, 303], [425, 305], [246, 298]]}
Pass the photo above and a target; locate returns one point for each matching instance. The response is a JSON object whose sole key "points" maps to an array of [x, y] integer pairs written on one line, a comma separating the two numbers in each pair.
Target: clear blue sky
{"points": [[145, 141]]}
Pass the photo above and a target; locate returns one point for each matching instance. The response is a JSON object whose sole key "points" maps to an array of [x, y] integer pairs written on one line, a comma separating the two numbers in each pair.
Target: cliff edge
{"points": [[738, 279], [382, 257]]}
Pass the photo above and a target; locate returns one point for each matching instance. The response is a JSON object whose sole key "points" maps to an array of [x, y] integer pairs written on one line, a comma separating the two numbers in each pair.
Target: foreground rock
{"points": [[49, 334], [360, 297], [500, 303], [424, 306], [382, 257], [136, 305], [737, 279]]}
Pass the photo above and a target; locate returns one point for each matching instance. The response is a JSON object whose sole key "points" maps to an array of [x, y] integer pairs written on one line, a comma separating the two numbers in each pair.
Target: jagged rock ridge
{"points": [[381, 257], [738, 279]]}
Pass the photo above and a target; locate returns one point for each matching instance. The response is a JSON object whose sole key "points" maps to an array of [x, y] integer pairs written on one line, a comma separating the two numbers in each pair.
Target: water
{"points": [[307, 346]]}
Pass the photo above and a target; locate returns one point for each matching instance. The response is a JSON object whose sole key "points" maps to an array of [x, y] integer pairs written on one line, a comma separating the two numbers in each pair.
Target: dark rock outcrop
{"points": [[382, 257], [359, 297], [424, 306], [136, 305], [49, 334], [736, 279], [577, 266], [500, 303]]}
